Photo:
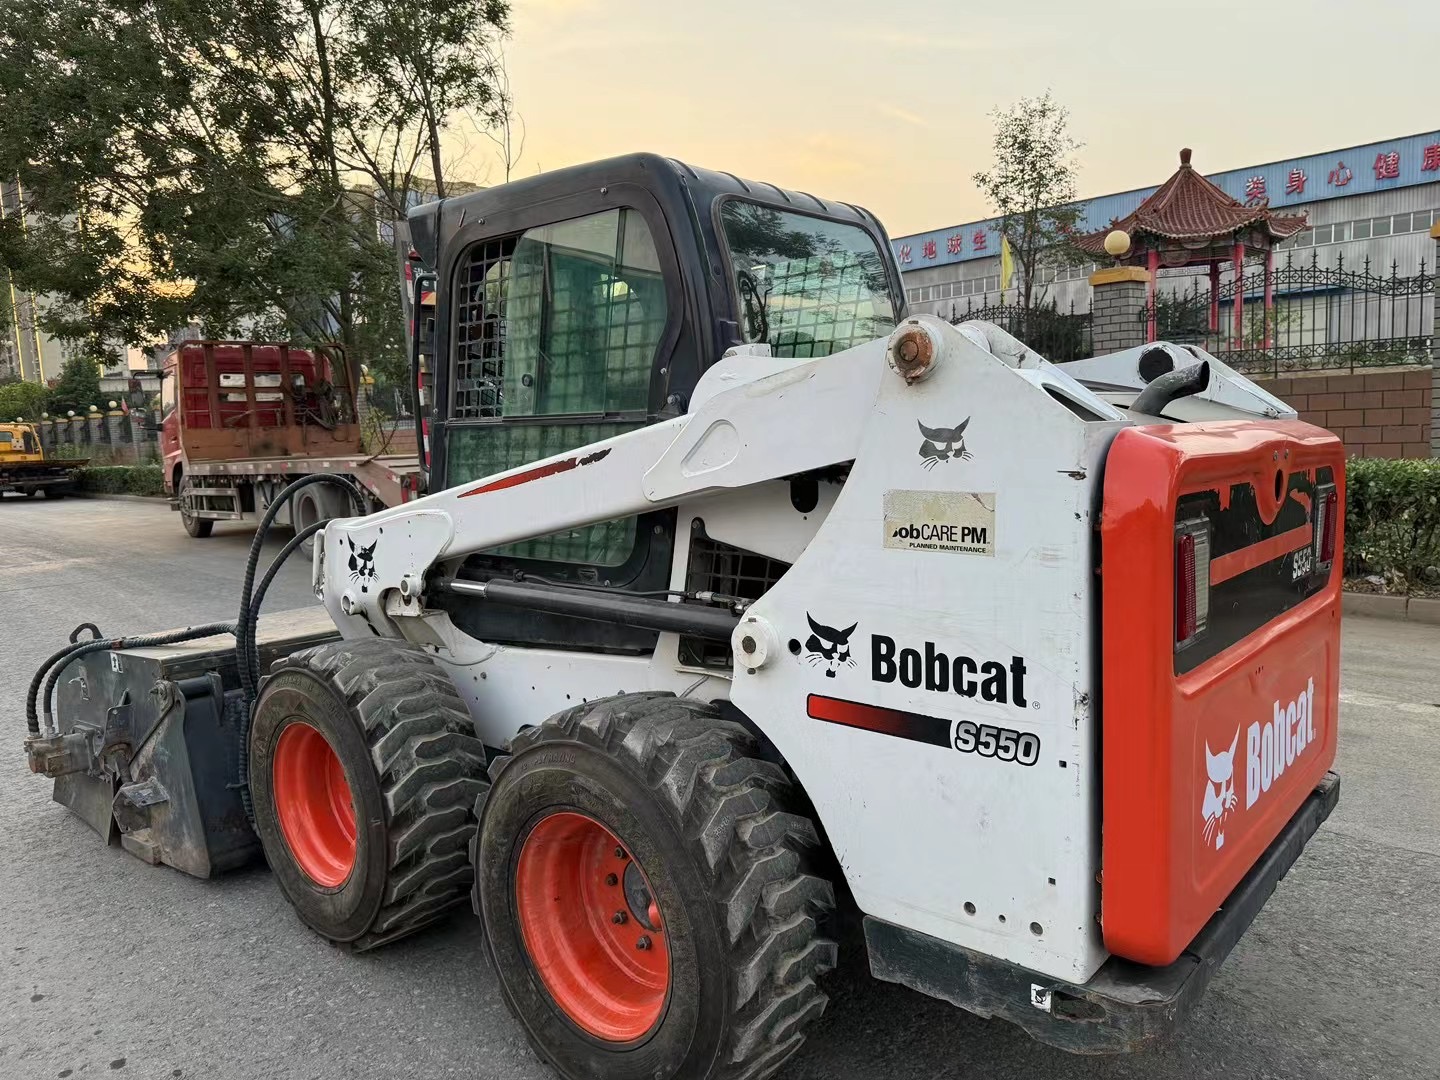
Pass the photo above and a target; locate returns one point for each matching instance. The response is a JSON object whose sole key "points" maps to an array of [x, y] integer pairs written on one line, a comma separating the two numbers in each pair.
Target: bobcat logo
{"points": [[943, 444], [828, 646], [362, 564], [1219, 792]]}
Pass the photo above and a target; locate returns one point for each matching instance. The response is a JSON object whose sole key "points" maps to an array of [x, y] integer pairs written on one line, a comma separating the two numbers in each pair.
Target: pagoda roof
{"points": [[1189, 209]]}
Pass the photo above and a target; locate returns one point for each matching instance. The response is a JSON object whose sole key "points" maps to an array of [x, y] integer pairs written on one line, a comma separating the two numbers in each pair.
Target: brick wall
{"points": [[1378, 414]]}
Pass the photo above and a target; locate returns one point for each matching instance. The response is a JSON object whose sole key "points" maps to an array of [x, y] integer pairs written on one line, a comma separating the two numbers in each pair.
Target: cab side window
{"points": [[558, 331]]}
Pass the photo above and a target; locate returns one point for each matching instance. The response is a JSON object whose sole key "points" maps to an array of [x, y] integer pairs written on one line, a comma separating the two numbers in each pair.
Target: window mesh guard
{"points": [[731, 571], [480, 336]]}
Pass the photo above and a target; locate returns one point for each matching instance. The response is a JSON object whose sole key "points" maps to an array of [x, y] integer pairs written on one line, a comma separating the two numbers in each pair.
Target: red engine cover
{"points": [[1210, 749]]}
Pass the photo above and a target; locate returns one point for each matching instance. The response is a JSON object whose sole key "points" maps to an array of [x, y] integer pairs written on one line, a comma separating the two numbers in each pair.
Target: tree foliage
{"points": [[21, 398], [225, 164], [1031, 185], [77, 387]]}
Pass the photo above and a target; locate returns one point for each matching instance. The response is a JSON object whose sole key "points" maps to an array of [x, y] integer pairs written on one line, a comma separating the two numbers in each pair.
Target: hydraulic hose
{"points": [[249, 677], [141, 641], [247, 654], [32, 719]]}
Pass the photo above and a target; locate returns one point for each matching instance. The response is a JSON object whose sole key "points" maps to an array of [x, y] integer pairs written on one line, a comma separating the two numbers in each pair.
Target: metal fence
{"points": [[1323, 318], [1056, 334]]}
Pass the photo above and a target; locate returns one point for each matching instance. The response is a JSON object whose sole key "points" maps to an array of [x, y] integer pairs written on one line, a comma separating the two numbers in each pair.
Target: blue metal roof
{"points": [[1358, 170]]}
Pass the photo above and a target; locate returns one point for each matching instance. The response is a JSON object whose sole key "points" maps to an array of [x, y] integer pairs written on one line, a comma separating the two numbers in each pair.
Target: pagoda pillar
{"points": [[1214, 296], [1153, 261], [1239, 260], [1269, 295]]}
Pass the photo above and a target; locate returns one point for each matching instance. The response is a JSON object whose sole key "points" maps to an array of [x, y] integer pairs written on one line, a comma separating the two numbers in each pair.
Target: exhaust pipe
{"points": [[1175, 384]]}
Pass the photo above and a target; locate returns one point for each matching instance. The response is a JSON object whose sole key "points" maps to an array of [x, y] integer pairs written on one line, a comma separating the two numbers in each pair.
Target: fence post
{"points": [[1118, 308], [1435, 351]]}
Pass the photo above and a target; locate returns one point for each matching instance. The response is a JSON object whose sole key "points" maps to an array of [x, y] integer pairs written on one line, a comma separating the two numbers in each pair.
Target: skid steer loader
{"points": [[746, 600]]}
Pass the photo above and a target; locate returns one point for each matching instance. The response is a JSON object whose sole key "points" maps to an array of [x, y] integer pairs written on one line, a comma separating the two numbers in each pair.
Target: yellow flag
{"points": [[1007, 264]]}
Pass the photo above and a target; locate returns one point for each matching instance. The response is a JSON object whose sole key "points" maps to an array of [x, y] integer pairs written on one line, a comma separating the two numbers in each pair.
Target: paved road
{"points": [[109, 967]]}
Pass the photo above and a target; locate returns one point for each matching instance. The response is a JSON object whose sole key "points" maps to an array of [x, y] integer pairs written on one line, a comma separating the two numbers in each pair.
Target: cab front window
{"points": [[807, 286]]}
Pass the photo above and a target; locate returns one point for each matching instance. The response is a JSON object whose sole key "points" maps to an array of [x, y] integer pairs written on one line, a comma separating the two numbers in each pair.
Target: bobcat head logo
{"points": [[943, 444], [829, 647], [1219, 792], [362, 564]]}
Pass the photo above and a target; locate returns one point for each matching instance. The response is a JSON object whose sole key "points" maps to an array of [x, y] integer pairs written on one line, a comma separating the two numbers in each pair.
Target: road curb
{"points": [[1420, 609]]}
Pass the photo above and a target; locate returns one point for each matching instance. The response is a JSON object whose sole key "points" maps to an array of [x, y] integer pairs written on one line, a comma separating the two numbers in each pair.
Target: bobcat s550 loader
{"points": [[746, 600]]}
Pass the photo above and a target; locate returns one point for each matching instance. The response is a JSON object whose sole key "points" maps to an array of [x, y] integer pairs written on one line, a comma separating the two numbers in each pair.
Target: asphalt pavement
{"points": [[109, 967]]}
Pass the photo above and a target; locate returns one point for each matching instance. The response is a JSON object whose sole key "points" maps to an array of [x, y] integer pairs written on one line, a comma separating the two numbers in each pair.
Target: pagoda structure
{"points": [[1189, 221]]}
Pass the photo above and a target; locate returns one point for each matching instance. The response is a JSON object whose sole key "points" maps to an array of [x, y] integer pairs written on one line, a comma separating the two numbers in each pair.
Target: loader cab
{"points": [[576, 305]]}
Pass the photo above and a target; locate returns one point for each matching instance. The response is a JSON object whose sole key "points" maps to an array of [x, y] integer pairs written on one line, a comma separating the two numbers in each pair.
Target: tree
{"points": [[229, 165], [1031, 186], [78, 386], [21, 398]]}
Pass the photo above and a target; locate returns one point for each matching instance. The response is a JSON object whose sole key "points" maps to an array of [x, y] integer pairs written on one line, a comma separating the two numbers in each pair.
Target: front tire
{"points": [[662, 817], [199, 528], [364, 773]]}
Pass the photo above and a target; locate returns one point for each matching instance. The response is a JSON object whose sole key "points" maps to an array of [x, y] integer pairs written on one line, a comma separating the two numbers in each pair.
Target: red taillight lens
{"points": [[1326, 530], [1185, 587], [1192, 581]]}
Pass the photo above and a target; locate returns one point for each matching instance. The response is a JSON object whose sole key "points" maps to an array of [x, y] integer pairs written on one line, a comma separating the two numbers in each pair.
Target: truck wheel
{"points": [[648, 903], [52, 493], [196, 527], [364, 772], [29, 493]]}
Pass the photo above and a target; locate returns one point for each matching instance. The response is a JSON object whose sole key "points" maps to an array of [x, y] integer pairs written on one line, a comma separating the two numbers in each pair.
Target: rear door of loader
{"points": [[1221, 576]]}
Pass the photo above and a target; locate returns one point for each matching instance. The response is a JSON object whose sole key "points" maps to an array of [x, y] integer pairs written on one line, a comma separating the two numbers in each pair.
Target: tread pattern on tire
{"points": [[729, 804], [432, 770]]}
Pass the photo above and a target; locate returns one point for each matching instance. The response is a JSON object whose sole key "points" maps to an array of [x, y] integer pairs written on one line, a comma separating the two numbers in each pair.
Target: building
{"points": [[1375, 202], [26, 351]]}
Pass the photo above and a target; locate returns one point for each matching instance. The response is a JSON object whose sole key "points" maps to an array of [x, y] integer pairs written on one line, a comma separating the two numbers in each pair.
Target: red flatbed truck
{"points": [[242, 419]]}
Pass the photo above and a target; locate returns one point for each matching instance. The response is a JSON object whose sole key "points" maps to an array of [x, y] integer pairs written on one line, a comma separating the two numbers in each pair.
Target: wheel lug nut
{"points": [[611, 879], [620, 853], [643, 943], [619, 917]]}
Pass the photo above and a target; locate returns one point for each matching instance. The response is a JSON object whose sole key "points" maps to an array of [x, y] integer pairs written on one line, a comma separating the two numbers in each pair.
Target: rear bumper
{"points": [[1126, 1006]]}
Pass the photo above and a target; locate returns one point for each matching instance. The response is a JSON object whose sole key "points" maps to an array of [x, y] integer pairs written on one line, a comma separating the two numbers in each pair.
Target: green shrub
{"points": [[1392, 517], [121, 479]]}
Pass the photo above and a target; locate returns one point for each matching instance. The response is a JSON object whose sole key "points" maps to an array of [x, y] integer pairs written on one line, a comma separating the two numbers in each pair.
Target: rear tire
{"points": [[54, 493], [367, 736], [735, 904]]}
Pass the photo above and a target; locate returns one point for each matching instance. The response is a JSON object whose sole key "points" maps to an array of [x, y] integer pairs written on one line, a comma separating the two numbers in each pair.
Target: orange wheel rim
{"points": [[314, 805], [592, 927]]}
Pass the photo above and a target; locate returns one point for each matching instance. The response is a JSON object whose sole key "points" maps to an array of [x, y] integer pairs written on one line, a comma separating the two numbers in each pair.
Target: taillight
{"points": [[1327, 508], [1192, 581]]}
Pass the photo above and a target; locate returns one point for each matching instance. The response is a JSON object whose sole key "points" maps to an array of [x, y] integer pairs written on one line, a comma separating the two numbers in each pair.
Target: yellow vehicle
{"points": [[23, 467]]}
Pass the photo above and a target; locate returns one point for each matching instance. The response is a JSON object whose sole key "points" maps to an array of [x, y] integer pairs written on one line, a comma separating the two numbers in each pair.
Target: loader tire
{"points": [[364, 774], [649, 903]]}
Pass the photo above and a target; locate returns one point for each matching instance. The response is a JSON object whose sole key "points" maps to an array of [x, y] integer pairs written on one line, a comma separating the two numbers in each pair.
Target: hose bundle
{"points": [[247, 653]]}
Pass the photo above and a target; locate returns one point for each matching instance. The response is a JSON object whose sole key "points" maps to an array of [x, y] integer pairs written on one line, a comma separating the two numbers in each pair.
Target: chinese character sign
{"points": [[1255, 189], [1431, 160], [953, 244], [1387, 166], [904, 253], [1340, 175], [980, 241], [1295, 183], [929, 249]]}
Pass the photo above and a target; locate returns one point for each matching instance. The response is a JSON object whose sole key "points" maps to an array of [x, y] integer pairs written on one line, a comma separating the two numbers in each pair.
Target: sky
{"points": [[885, 104]]}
